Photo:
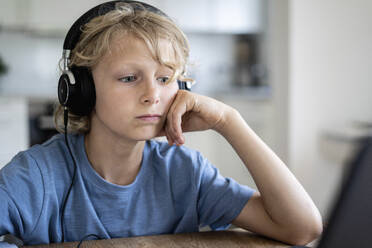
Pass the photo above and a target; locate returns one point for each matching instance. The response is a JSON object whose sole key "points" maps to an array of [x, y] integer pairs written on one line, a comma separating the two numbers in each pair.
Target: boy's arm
{"points": [[21, 196], [6, 224], [282, 210]]}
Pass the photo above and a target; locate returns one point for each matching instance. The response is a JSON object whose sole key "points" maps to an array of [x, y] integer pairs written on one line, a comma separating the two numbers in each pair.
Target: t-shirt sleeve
{"points": [[21, 194], [4, 244], [220, 199]]}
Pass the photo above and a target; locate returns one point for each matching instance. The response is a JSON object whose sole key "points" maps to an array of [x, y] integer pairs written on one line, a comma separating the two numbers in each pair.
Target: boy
{"points": [[125, 183]]}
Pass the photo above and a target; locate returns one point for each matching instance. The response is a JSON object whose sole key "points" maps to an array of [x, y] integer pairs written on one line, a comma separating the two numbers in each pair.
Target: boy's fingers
{"points": [[183, 103], [170, 136], [175, 121], [170, 142]]}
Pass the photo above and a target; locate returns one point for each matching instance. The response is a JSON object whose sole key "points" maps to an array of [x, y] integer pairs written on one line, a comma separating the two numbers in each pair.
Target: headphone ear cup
{"points": [[84, 98], [66, 88]]}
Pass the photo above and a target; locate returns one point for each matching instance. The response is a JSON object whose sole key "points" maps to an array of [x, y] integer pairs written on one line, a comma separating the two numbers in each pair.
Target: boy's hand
{"points": [[193, 112]]}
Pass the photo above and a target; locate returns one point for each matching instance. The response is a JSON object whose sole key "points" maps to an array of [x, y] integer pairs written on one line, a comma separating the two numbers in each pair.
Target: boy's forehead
{"points": [[129, 45]]}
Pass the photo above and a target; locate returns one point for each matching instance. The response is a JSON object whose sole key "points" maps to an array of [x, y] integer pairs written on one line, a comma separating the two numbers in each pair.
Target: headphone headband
{"points": [[73, 35]]}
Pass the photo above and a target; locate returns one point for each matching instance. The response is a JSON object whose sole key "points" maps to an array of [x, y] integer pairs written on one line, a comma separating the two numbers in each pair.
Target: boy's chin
{"points": [[150, 136], [146, 133]]}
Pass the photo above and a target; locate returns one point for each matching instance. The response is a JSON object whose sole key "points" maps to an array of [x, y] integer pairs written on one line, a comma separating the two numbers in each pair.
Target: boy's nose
{"points": [[151, 94]]}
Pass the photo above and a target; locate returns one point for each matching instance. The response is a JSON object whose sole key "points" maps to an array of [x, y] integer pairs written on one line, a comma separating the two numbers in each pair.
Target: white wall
{"points": [[13, 127], [330, 83], [277, 55], [33, 64]]}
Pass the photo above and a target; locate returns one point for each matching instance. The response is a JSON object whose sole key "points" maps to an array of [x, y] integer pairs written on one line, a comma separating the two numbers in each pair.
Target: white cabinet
{"points": [[43, 15], [32, 62], [13, 127], [215, 16], [233, 16]]}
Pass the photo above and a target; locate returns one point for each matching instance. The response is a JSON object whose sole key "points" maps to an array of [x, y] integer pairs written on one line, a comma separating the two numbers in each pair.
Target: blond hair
{"points": [[131, 19]]}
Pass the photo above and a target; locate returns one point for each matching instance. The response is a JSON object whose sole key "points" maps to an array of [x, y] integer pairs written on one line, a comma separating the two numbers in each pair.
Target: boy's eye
{"points": [[163, 79], [128, 79]]}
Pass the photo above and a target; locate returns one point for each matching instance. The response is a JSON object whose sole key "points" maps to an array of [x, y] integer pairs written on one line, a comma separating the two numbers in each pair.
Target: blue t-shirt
{"points": [[176, 190]]}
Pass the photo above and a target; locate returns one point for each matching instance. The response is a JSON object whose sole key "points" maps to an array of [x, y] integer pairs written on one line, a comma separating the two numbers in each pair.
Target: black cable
{"points": [[73, 176], [86, 236], [65, 120]]}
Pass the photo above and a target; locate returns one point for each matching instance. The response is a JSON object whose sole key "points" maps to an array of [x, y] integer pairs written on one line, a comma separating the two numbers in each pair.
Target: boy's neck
{"points": [[116, 161]]}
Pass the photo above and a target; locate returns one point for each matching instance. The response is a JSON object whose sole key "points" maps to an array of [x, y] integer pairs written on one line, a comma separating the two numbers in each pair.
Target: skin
{"points": [[281, 209]]}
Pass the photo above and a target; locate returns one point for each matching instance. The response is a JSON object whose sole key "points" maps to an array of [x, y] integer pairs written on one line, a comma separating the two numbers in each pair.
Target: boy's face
{"points": [[130, 85]]}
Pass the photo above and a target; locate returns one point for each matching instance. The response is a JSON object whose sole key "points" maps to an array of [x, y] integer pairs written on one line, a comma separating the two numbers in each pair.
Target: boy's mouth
{"points": [[149, 117]]}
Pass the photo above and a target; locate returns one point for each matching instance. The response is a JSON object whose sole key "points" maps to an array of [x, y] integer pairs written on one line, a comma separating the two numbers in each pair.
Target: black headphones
{"points": [[76, 90]]}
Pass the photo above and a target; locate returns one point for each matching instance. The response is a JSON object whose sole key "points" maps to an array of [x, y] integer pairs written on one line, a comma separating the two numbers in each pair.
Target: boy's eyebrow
{"points": [[136, 64]]}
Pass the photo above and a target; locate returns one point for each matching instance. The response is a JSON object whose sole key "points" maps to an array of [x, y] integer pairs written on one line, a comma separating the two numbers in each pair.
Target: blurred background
{"points": [[299, 72]]}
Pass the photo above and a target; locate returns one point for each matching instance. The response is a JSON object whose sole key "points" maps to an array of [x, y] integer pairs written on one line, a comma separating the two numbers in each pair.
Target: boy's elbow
{"points": [[306, 237], [307, 234]]}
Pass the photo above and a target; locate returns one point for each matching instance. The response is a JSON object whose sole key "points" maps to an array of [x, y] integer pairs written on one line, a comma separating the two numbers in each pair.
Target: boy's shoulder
{"points": [[31, 159], [53, 147]]}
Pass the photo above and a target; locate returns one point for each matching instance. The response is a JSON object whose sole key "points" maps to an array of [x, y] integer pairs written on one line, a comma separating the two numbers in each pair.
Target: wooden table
{"points": [[217, 239]]}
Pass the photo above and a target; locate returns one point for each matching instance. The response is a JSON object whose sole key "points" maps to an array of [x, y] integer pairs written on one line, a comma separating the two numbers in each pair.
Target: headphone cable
{"points": [[87, 236], [65, 113], [73, 177]]}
